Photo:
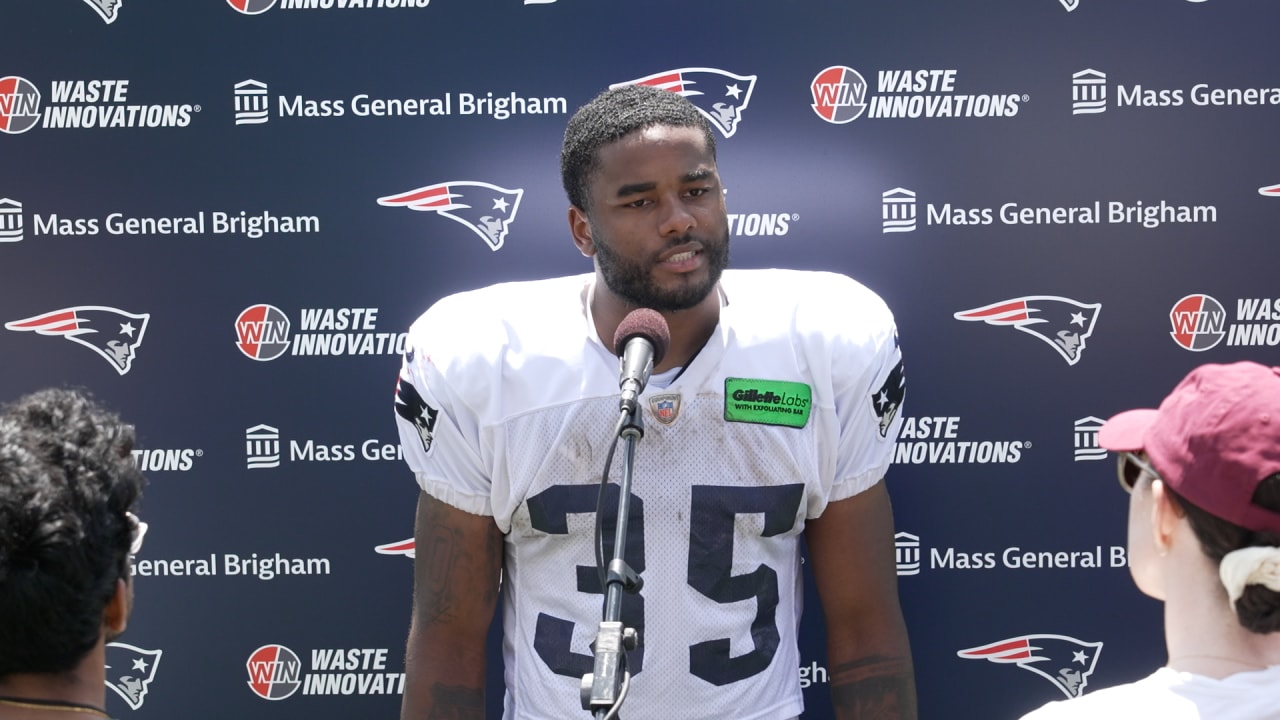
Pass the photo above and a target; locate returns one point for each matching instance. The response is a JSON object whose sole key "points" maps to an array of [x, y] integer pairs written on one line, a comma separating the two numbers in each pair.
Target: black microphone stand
{"points": [[604, 689]]}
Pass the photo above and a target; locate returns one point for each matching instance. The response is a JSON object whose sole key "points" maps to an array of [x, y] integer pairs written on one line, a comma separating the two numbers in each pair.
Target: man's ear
{"points": [[115, 617], [580, 228]]}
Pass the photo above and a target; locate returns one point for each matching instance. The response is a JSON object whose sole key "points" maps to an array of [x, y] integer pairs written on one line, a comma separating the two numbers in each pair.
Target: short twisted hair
{"points": [[67, 480], [611, 116]]}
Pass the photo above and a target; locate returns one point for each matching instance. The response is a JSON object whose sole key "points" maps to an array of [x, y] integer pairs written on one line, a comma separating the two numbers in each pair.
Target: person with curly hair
{"points": [[68, 485]]}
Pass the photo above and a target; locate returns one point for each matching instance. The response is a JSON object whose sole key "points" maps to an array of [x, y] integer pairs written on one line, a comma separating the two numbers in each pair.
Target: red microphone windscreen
{"points": [[645, 323]]}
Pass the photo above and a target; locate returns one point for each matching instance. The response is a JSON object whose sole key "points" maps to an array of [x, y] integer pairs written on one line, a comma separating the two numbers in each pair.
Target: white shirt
{"points": [[519, 401], [1168, 694]]}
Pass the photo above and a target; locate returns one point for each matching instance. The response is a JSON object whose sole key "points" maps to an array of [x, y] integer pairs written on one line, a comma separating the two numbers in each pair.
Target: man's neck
{"points": [[690, 329], [84, 685]]}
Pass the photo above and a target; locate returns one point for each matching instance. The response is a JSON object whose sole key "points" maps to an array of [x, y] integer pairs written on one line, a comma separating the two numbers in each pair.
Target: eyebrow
{"points": [[692, 176]]}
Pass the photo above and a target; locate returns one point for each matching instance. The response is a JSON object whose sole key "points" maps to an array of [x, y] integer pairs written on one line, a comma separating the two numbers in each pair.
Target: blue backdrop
{"points": [[1067, 203]]}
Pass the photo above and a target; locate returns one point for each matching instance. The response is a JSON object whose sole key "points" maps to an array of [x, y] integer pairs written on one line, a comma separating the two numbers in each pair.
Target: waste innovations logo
{"points": [[1064, 661], [130, 671], [263, 449], [1199, 323], [1091, 96], [1060, 322], [257, 7], [276, 672], [840, 94], [263, 333], [112, 334], [913, 557], [19, 105], [83, 104], [486, 209], [254, 103], [899, 213], [166, 459], [721, 96], [761, 224], [937, 441]]}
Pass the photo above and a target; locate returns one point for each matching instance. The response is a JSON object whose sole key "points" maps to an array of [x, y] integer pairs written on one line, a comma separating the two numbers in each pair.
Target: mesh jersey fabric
{"points": [[521, 400]]}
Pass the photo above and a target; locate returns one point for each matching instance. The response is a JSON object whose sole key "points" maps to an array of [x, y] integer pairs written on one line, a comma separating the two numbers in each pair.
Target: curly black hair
{"points": [[612, 115], [67, 480]]}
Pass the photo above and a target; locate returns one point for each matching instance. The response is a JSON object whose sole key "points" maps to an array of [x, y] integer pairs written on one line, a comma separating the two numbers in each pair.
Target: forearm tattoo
{"points": [[436, 559], [878, 687], [456, 703]]}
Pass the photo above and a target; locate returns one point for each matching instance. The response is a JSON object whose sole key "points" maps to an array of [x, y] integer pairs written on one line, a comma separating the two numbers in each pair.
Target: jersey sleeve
{"points": [[439, 430], [868, 386]]}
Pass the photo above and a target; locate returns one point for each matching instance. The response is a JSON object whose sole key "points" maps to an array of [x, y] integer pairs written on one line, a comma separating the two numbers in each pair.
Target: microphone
{"points": [[641, 342]]}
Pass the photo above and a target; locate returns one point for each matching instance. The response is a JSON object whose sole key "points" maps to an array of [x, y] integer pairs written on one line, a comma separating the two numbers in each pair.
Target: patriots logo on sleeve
{"points": [[720, 96], [1064, 661], [411, 407], [486, 209], [113, 334], [1061, 322], [887, 401], [130, 671]]}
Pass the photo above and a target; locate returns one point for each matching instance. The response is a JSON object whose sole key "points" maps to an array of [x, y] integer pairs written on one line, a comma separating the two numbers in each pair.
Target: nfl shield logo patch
{"points": [[666, 408]]}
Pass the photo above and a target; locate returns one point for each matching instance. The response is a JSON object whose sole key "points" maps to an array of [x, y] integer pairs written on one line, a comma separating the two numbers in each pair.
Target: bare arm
{"points": [[458, 557], [852, 555]]}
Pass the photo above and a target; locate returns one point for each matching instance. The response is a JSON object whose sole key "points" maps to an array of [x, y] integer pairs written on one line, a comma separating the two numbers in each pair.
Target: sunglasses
{"points": [[1129, 467], [139, 531]]}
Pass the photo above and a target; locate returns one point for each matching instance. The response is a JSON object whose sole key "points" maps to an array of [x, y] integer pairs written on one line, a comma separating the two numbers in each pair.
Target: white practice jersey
{"points": [[507, 405]]}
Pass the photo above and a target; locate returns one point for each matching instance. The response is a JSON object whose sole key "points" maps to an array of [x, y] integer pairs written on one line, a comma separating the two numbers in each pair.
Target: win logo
{"points": [[839, 94], [1199, 323]]}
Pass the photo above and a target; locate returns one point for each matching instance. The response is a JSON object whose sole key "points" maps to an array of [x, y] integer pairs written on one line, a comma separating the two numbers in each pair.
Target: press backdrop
{"points": [[202, 220]]}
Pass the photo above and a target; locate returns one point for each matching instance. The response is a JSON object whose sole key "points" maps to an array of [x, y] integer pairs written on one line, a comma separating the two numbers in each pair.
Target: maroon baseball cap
{"points": [[1213, 440]]}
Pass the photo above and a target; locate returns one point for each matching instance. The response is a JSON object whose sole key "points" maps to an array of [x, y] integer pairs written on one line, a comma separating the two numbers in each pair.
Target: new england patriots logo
{"points": [[411, 407], [1061, 322], [1064, 661], [113, 334], [108, 10], [887, 401], [130, 671], [404, 547], [487, 209], [720, 96]]}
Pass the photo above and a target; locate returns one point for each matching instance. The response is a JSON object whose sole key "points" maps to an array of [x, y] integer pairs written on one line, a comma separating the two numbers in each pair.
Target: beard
{"points": [[632, 280]]}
